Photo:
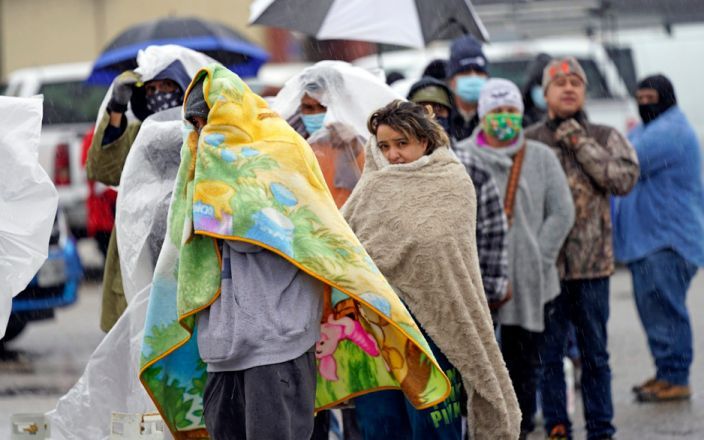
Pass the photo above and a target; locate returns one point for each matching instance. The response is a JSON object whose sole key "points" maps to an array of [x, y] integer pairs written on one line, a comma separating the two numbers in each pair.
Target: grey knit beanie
{"points": [[498, 92]]}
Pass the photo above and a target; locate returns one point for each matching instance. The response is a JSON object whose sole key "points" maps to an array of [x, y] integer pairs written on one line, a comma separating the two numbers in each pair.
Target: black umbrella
{"points": [[412, 23]]}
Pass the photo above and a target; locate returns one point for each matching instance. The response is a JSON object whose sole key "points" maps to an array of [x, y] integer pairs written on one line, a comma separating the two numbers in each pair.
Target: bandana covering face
{"points": [[160, 101], [250, 177], [503, 126]]}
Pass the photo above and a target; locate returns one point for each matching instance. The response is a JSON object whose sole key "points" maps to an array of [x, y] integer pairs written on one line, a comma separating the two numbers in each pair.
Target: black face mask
{"points": [[444, 123], [648, 112], [666, 97]]}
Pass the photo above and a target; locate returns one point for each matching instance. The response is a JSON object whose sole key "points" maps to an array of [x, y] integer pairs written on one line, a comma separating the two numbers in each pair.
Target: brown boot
{"points": [[558, 432], [665, 392], [640, 387]]}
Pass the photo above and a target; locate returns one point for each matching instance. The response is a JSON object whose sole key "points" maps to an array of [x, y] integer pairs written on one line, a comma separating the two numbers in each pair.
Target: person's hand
{"points": [[569, 132], [496, 305], [122, 88]]}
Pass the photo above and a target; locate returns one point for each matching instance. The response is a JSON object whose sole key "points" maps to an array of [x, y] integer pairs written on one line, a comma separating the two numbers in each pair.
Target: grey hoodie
{"points": [[543, 216]]}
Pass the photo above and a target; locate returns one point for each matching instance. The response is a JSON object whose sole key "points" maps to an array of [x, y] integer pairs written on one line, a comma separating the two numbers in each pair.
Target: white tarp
{"points": [[28, 199]]}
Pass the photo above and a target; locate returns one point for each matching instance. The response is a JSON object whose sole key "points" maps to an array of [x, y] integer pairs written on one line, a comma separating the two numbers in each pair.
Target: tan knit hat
{"points": [[562, 67]]}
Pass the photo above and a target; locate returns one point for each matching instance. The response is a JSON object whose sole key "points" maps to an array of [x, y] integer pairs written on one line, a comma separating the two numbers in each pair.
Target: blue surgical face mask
{"points": [[469, 87], [313, 122], [538, 97]]}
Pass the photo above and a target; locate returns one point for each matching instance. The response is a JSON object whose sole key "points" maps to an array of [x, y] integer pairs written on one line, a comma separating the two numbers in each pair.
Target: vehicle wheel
{"points": [[14, 327]]}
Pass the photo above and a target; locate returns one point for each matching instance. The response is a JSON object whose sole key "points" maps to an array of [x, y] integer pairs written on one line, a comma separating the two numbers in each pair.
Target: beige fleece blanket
{"points": [[417, 222]]}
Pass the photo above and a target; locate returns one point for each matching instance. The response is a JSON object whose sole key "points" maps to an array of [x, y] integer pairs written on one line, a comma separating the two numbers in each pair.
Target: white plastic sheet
{"points": [[28, 199], [349, 93], [144, 197], [110, 382]]}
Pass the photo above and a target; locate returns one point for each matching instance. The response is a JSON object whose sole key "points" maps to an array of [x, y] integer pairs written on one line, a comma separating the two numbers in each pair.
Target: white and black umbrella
{"points": [[412, 23]]}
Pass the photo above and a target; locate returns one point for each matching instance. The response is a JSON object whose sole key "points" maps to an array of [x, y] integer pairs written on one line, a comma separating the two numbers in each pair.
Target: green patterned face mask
{"points": [[503, 126]]}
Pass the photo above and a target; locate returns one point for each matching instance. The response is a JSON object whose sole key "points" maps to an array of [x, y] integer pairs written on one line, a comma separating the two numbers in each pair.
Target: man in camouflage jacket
{"points": [[599, 162]]}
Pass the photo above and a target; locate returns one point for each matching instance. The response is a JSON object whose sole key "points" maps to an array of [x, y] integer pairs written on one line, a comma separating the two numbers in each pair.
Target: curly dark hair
{"points": [[413, 120]]}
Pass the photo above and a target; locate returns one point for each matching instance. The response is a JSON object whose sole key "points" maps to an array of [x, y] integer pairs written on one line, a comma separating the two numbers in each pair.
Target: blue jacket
{"points": [[666, 207]]}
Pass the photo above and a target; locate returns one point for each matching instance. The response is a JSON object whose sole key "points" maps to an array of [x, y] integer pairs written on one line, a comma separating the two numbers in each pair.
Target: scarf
{"points": [[249, 177], [417, 221]]}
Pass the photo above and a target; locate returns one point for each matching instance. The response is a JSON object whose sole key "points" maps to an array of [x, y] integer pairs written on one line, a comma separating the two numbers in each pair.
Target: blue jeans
{"points": [[389, 415], [660, 283], [584, 303]]}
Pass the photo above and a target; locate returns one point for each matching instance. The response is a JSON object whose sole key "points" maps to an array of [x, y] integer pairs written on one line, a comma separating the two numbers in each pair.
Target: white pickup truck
{"points": [[608, 101], [70, 109]]}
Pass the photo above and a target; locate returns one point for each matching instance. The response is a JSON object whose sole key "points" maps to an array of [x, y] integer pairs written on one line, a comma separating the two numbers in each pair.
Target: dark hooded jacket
{"points": [[666, 97], [531, 112]]}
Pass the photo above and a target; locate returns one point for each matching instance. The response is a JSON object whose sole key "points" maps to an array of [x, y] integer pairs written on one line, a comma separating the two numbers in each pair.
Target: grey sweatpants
{"points": [[269, 402]]}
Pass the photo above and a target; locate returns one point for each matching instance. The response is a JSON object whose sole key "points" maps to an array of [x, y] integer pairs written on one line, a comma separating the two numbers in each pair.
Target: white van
{"points": [[608, 101], [70, 109]]}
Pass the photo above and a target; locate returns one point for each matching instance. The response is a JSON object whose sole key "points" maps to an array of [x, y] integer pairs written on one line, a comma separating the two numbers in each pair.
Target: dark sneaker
{"points": [[665, 392], [640, 387], [558, 432]]}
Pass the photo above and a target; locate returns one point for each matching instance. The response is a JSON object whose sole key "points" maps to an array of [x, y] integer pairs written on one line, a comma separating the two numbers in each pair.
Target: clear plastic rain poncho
{"points": [[350, 95], [28, 199], [110, 382], [145, 193]]}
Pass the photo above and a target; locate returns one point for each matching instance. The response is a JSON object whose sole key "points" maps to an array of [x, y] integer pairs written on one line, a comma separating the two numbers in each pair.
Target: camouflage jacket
{"points": [[598, 162]]}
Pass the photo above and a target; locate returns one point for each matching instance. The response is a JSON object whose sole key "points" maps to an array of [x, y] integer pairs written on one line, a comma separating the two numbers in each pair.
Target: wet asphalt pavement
{"points": [[51, 356]]}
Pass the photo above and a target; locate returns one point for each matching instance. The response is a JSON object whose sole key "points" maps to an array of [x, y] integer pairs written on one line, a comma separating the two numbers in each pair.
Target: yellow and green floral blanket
{"points": [[251, 177]]}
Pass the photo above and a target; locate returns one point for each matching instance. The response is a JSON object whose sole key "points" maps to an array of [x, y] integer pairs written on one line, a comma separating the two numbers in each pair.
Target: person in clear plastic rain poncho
{"points": [[328, 104], [28, 200], [110, 381], [156, 85]]}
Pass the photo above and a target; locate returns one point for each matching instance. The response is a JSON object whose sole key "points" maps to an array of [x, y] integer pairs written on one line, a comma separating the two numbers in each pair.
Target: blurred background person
{"points": [[436, 69], [659, 233], [539, 207], [598, 161], [532, 91], [466, 74]]}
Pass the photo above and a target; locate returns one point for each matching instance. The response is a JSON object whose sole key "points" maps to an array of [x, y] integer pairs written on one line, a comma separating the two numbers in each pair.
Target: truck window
{"points": [[515, 70], [71, 102]]}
